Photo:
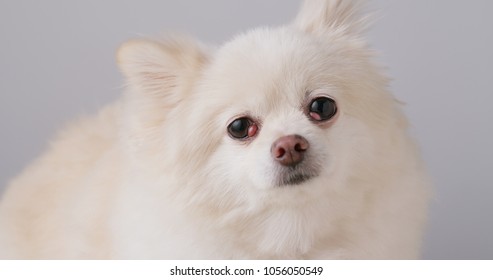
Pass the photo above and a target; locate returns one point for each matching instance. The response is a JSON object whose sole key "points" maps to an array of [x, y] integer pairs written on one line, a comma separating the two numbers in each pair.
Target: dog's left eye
{"points": [[242, 128], [322, 109]]}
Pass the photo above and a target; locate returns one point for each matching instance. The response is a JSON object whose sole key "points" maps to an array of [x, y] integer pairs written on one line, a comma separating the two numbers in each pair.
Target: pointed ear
{"points": [[321, 16], [160, 68], [159, 75]]}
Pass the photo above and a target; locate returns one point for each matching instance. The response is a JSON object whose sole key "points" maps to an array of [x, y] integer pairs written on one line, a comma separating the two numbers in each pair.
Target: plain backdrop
{"points": [[57, 63]]}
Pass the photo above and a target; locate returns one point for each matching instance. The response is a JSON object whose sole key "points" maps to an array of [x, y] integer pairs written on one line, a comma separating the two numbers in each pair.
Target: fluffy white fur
{"points": [[156, 175]]}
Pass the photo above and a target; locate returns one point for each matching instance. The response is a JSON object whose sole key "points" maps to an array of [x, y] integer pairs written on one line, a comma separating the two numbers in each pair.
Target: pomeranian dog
{"points": [[284, 143]]}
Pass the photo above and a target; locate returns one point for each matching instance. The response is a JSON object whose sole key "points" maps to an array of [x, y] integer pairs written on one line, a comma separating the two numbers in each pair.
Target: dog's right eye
{"points": [[242, 128]]}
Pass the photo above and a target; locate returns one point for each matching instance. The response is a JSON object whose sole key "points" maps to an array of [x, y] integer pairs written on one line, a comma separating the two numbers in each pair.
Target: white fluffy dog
{"points": [[284, 143]]}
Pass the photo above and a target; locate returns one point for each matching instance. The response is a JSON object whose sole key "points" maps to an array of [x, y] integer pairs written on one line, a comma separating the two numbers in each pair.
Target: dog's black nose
{"points": [[289, 150]]}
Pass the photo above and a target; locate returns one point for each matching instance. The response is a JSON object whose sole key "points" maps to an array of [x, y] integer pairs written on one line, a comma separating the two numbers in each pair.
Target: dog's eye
{"points": [[322, 109], [242, 128]]}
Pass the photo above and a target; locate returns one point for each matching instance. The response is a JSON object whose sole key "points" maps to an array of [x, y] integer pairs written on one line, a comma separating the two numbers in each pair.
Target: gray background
{"points": [[57, 63]]}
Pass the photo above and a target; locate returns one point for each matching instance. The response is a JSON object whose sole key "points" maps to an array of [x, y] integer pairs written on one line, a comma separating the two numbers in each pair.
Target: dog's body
{"points": [[284, 143]]}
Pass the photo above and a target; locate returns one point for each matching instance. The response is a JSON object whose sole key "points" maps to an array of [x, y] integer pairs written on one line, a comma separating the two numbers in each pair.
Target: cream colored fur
{"points": [[156, 175]]}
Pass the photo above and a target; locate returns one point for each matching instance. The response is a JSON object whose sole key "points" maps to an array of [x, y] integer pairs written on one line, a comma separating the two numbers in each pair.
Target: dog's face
{"points": [[294, 108], [275, 106]]}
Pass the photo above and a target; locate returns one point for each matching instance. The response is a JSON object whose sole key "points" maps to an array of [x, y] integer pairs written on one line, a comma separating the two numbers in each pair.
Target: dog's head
{"points": [[300, 107]]}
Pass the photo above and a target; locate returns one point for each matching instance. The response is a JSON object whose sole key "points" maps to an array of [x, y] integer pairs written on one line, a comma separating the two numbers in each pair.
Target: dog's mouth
{"points": [[293, 180], [295, 177]]}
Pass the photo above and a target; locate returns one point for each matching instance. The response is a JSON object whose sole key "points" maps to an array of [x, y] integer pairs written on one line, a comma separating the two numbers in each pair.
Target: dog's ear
{"points": [[161, 69], [159, 76], [321, 16]]}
